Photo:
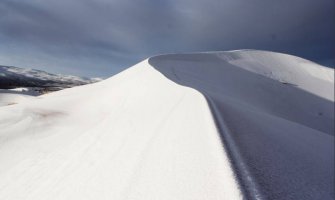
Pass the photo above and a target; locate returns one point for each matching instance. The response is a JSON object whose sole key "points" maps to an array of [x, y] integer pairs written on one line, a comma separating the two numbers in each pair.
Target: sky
{"points": [[98, 38]]}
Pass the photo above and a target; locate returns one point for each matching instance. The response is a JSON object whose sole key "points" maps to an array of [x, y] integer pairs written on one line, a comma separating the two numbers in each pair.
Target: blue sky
{"points": [[98, 38]]}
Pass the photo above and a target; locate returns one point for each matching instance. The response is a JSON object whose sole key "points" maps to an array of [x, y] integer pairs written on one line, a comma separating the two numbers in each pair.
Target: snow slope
{"points": [[221, 125], [136, 135], [14, 96], [275, 113]]}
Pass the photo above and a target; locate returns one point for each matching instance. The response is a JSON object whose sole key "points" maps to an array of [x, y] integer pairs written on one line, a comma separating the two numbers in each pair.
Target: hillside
{"points": [[13, 77], [219, 125]]}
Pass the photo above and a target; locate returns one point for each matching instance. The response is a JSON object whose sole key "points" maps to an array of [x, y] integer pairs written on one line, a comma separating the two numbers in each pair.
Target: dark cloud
{"points": [[102, 37]]}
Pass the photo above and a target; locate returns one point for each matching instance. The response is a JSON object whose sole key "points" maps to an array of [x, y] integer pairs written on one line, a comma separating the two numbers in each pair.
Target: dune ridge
{"points": [[217, 125]]}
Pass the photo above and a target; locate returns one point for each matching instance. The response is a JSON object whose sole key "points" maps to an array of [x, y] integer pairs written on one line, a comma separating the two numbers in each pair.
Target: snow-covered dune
{"points": [[275, 113], [222, 125], [136, 135]]}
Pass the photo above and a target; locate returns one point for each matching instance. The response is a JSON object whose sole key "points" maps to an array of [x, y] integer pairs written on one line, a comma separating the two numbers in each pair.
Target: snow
{"points": [[286, 69], [136, 135], [14, 96], [217, 125], [275, 114]]}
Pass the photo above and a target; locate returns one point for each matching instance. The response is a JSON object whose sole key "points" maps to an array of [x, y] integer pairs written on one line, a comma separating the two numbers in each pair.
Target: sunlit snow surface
{"points": [[222, 125]]}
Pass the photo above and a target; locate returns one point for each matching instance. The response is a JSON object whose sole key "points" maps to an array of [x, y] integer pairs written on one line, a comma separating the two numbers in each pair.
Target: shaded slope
{"points": [[275, 115]]}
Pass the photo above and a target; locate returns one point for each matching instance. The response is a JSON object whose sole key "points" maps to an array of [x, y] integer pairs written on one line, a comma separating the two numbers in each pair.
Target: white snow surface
{"points": [[140, 135], [289, 69], [136, 135], [14, 96]]}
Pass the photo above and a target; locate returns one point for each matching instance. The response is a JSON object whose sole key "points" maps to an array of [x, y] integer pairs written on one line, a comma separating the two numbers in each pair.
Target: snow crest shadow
{"points": [[279, 138]]}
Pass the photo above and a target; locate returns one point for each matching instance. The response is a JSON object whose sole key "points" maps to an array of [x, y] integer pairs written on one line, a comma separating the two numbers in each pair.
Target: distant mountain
{"points": [[13, 77]]}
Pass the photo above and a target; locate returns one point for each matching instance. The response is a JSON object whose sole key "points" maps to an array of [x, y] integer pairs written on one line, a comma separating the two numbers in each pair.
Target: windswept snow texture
{"points": [[12, 77], [275, 115]]}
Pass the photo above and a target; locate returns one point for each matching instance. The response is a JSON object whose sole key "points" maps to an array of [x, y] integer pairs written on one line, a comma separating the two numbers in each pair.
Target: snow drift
{"points": [[222, 125]]}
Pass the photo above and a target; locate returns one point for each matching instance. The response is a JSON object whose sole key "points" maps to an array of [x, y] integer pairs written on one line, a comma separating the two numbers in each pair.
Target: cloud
{"points": [[102, 37]]}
